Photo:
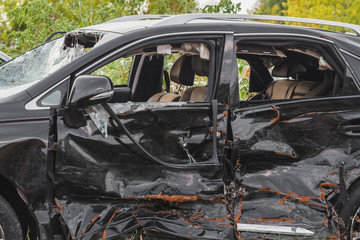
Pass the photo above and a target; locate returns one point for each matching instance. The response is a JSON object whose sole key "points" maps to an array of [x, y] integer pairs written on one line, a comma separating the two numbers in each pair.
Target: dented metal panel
{"points": [[288, 160], [105, 187]]}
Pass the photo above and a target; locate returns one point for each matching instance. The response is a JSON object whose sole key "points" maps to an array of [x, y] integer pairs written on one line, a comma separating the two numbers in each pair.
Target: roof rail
{"points": [[137, 18], [185, 18]]}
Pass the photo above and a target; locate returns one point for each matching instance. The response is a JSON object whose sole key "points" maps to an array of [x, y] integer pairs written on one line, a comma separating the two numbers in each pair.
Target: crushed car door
{"points": [[142, 168], [289, 157]]}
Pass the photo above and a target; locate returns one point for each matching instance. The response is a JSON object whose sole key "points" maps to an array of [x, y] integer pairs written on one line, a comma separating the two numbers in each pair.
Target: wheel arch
{"points": [[9, 191]]}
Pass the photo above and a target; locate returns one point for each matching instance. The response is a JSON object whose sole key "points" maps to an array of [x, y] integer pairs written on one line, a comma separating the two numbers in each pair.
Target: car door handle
{"points": [[350, 128]]}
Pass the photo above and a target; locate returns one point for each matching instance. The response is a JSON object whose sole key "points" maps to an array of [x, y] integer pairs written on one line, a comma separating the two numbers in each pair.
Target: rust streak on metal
{"points": [[294, 196], [112, 217], [177, 198], [91, 224], [133, 213], [58, 205], [277, 117], [104, 235], [285, 154]]}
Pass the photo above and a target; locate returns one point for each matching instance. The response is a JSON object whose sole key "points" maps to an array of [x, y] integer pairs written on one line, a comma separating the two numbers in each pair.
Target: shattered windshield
{"points": [[38, 63]]}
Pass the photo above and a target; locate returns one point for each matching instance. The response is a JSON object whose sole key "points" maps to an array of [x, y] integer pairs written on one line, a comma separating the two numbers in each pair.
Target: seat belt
{"points": [[167, 81]]}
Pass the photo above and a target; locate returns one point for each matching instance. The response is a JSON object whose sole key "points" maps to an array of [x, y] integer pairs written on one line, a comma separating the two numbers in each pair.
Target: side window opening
{"points": [[184, 76], [176, 72], [118, 71], [286, 71]]}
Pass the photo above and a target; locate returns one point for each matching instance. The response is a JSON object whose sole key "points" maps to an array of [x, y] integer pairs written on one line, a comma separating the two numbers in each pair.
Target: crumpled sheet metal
{"points": [[283, 171], [288, 164], [126, 219], [101, 118], [150, 196]]}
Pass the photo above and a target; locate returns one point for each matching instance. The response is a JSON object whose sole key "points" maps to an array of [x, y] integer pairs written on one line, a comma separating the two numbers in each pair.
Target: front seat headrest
{"points": [[200, 66], [288, 69], [181, 72]]}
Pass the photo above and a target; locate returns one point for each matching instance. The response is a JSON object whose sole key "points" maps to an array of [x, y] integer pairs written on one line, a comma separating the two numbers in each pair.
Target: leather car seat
{"points": [[181, 73], [199, 67], [287, 89]]}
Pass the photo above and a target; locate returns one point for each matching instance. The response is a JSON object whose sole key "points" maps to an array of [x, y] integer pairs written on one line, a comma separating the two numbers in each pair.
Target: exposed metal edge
{"points": [[349, 53], [274, 229], [116, 52], [185, 18], [282, 35], [31, 105]]}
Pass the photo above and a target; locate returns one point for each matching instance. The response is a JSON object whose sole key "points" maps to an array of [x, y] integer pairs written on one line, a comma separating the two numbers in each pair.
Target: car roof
{"points": [[237, 23], [136, 22]]}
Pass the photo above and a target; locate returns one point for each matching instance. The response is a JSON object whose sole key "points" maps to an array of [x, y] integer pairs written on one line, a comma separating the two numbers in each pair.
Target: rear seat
{"points": [[287, 89]]}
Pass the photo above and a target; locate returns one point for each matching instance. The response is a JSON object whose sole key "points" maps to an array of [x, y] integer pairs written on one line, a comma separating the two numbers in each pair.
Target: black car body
{"points": [[202, 165]]}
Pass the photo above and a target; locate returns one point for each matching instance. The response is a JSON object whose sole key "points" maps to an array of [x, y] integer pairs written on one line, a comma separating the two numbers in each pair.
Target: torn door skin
{"points": [[288, 159], [285, 172], [105, 188]]}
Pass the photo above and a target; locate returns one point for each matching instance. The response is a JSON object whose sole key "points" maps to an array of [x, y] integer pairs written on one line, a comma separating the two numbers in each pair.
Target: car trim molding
{"points": [[282, 35], [274, 229], [32, 104]]}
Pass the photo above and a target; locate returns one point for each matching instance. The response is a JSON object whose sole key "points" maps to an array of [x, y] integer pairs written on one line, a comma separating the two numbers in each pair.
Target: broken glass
{"points": [[27, 69]]}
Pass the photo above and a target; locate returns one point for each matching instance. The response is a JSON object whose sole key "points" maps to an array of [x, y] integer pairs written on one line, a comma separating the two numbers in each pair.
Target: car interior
{"points": [[288, 71], [179, 72], [175, 72]]}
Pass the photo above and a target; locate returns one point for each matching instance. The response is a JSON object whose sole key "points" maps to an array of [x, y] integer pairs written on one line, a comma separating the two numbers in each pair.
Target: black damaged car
{"points": [[134, 129]]}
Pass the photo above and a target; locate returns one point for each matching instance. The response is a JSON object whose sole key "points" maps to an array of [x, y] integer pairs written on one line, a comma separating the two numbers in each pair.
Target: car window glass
{"points": [[118, 71], [54, 97], [36, 64]]}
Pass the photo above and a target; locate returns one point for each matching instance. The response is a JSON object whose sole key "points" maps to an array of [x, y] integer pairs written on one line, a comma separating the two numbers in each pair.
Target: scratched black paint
{"points": [[285, 165], [179, 201]]}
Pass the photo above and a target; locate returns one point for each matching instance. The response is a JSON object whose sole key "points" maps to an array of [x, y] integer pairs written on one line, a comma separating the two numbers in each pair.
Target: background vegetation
{"points": [[25, 24], [336, 10]]}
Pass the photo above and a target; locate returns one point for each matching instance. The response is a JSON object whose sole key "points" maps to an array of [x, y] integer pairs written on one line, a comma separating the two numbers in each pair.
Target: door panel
{"points": [[175, 195], [290, 154]]}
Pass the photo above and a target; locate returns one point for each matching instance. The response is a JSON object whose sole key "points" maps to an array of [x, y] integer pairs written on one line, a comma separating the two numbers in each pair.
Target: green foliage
{"points": [[224, 6], [29, 23], [336, 10], [271, 7], [244, 74], [118, 71], [171, 7]]}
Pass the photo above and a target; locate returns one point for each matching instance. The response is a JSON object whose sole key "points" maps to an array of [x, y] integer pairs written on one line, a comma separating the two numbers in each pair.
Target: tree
{"points": [[171, 6], [336, 10], [29, 23], [224, 6], [271, 7]]}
